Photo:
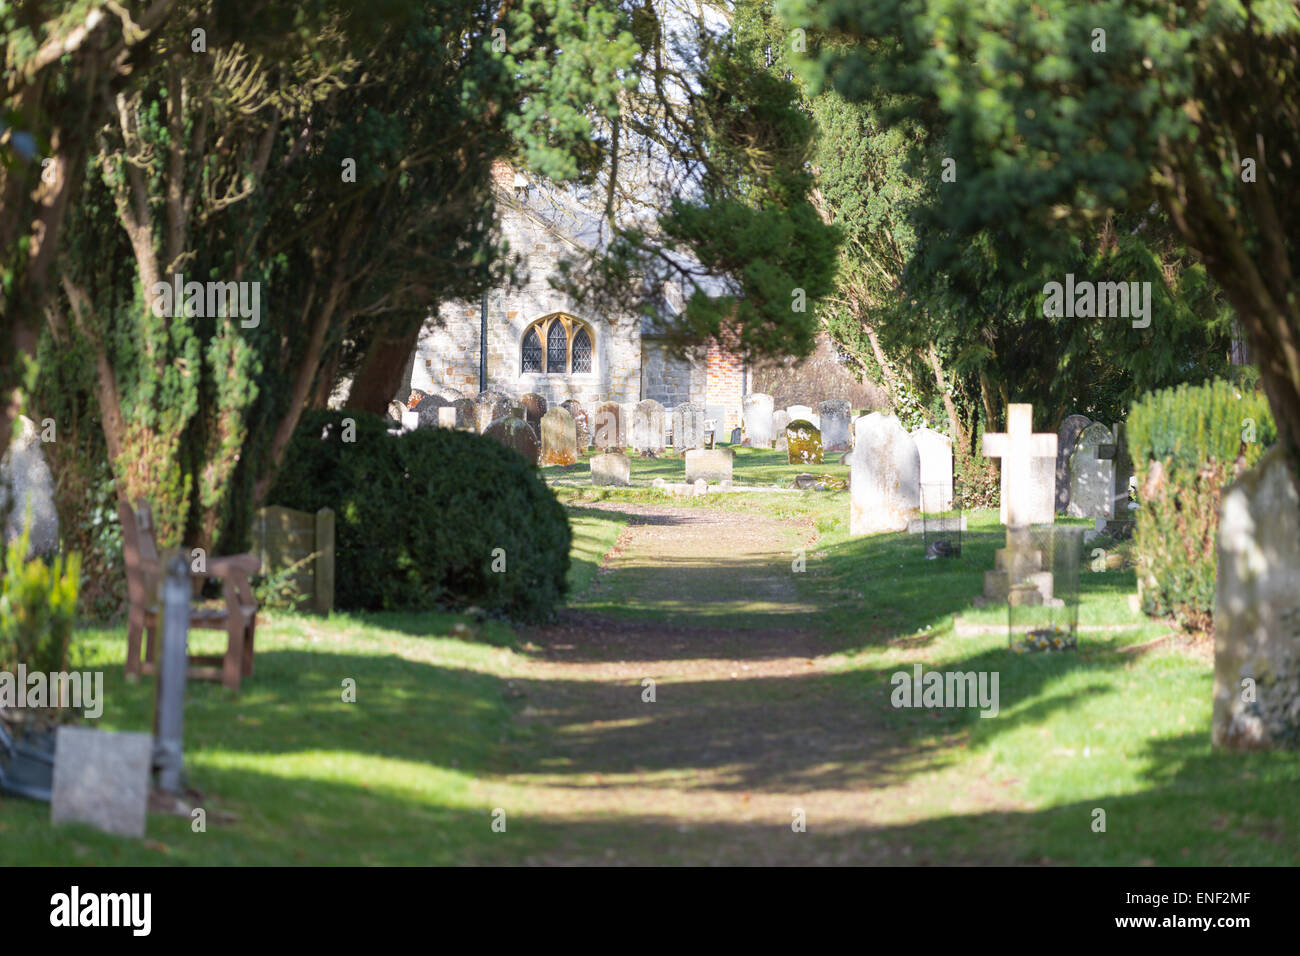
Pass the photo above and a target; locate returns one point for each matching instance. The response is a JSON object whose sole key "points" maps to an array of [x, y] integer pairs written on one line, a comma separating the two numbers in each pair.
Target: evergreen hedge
{"points": [[1188, 443], [419, 517]]}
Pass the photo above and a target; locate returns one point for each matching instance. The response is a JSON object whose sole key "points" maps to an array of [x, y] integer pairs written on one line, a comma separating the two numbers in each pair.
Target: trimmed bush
{"points": [[1187, 444], [419, 517]]}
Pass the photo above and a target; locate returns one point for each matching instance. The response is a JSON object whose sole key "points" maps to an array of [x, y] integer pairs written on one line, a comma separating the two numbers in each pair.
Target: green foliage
{"points": [[1187, 444], [419, 517], [38, 607]]}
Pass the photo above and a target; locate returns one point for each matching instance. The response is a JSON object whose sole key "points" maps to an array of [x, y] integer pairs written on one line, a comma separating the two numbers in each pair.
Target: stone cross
{"points": [[1118, 453], [1018, 447]]}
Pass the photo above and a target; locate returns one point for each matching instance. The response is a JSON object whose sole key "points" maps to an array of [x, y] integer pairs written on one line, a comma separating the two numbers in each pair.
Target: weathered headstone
{"points": [[835, 414], [507, 408], [688, 427], [648, 428], [626, 411], [710, 464], [611, 468], [779, 421], [1066, 436], [102, 778], [580, 422], [1092, 479], [758, 420], [534, 408], [466, 414], [1028, 479], [514, 432], [803, 413], [559, 437], [429, 409], [885, 476], [803, 442], [1117, 453], [1257, 611], [447, 416], [607, 431], [24, 470], [936, 468], [484, 404]]}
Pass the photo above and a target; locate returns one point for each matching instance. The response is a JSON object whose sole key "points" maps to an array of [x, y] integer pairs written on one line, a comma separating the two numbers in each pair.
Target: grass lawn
{"points": [[440, 733], [752, 466]]}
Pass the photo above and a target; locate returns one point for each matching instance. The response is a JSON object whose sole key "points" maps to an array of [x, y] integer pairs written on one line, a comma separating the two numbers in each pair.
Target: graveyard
{"points": [[762, 433]]}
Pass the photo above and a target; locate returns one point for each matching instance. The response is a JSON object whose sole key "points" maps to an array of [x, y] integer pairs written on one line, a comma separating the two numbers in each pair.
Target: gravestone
{"points": [[758, 420], [515, 433], [835, 415], [936, 467], [559, 437], [625, 415], [24, 471], [611, 468], [648, 428], [1028, 478], [580, 422], [607, 431], [803, 443], [885, 476], [709, 464], [779, 421], [688, 427], [428, 410], [1117, 453], [416, 397], [466, 414], [1066, 436], [1092, 479], [447, 417], [395, 410], [1257, 611], [1028, 498], [102, 778], [803, 413], [534, 408], [507, 408], [484, 405]]}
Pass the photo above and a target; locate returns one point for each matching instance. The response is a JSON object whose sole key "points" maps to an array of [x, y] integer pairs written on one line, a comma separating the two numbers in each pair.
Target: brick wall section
{"points": [[726, 381]]}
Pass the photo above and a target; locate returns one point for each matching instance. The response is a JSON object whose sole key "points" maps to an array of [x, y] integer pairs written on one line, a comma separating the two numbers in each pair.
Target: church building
{"points": [[537, 340]]}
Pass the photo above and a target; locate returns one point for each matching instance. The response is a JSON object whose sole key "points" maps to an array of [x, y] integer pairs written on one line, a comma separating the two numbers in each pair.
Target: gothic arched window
{"points": [[581, 351], [532, 352], [568, 346]]}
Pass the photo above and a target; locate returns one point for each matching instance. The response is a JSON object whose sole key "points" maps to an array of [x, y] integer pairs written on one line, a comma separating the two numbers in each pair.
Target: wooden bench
{"points": [[237, 616]]}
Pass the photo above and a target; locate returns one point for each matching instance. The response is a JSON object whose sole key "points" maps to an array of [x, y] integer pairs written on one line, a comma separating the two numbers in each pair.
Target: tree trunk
{"points": [[954, 423], [380, 374]]}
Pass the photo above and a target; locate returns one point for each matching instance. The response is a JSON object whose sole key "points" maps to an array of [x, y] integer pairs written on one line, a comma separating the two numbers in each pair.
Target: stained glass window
{"points": [[581, 351], [532, 352], [557, 348]]}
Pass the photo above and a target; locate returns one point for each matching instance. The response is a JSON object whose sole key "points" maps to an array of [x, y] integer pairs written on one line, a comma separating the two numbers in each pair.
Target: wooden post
{"points": [[324, 576]]}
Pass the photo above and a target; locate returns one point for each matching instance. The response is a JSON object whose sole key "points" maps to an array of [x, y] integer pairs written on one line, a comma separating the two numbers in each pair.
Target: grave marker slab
{"points": [[534, 408], [517, 434], [607, 433], [688, 427], [885, 476], [709, 464], [102, 778], [835, 416], [1028, 492], [779, 421], [757, 411], [559, 437], [611, 468], [803, 442], [1092, 478], [648, 428], [1066, 436], [936, 467], [580, 422]]}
